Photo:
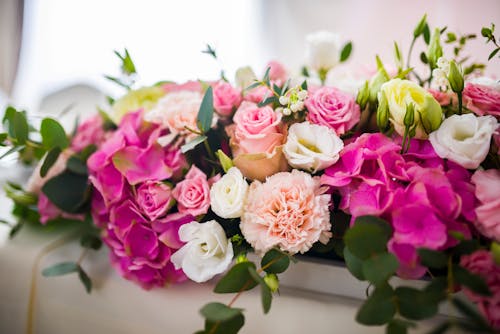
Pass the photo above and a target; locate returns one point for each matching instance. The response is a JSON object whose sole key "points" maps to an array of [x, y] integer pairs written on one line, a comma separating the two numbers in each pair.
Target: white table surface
{"points": [[119, 306]]}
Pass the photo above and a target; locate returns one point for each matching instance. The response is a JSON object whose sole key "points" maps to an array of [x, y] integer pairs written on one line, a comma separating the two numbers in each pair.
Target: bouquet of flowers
{"points": [[399, 176]]}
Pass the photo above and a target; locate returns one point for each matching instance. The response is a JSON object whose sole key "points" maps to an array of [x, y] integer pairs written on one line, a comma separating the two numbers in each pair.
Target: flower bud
{"points": [[382, 112], [272, 282], [419, 29], [363, 96], [456, 78], [409, 118], [224, 160], [245, 77], [241, 258], [377, 81], [431, 114], [435, 51]]}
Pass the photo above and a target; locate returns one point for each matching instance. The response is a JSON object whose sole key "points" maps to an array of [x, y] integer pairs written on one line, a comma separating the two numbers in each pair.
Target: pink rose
{"points": [[277, 72], [154, 199], [257, 94], [488, 211], [193, 193], [89, 132], [226, 98], [481, 263], [289, 210], [482, 99], [333, 108]]}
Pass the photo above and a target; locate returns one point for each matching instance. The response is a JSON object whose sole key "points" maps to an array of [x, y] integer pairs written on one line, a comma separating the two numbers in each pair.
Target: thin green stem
{"points": [[409, 52], [460, 102], [209, 150]]}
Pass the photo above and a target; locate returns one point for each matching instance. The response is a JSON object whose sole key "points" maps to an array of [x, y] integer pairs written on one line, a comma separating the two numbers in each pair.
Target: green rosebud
{"points": [[363, 96], [431, 114], [455, 77], [224, 160], [419, 29], [382, 112], [272, 282], [409, 118], [435, 50], [495, 251], [377, 81]]}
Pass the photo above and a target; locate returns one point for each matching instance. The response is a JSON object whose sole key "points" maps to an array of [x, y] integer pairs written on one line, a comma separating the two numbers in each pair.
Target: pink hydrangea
{"points": [[488, 211], [482, 99], [226, 98], [193, 193], [482, 263], [89, 132], [289, 210], [333, 108]]}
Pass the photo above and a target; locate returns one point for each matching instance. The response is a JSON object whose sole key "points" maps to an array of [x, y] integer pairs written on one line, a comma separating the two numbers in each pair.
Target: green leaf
{"points": [[427, 34], [206, 112], [379, 308], [227, 327], [436, 291], [266, 76], [59, 269], [275, 262], [127, 66], [193, 143], [210, 51], [3, 136], [254, 85], [20, 127], [77, 166], [423, 58], [50, 160], [433, 259], [380, 268], [53, 134], [219, 312], [493, 53], [396, 327], [304, 85], [15, 229], [269, 100], [265, 292], [237, 279], [486, 32], [419, 29], [8, 115], [68, 191], [466, 247], [368, 236], [415, 304], [91, 241], [118, 82], [472, 281], [85, 279], [472, 314], [354, 265], [450, 37], [225, 161], [346, 52], [441, 329]]}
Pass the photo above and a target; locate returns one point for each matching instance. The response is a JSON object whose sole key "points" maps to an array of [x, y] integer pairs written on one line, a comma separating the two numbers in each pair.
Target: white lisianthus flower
{"points": [[464, 139], [322, 50], [227, 196], [207, 251], [312, 147]]}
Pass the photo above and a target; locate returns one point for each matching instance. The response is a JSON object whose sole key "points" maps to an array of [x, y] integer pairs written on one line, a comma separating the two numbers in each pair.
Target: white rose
{"points": [[227, 196], [312, 147], [464, 139], [207, 251], [322, 50]]}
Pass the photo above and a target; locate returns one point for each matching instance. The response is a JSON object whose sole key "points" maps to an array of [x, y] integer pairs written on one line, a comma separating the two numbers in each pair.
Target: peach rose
{"points": [[257, 137], [193, 193], [289, 210]]}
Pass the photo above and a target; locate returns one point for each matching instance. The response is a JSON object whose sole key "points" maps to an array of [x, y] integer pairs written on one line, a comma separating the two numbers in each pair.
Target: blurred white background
{"points": [[67, 42]]}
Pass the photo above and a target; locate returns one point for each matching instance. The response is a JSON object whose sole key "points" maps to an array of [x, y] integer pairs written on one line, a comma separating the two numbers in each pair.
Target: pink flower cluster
{"points": [[482, 99], [482, 263], [133, 205], [421, 195]]}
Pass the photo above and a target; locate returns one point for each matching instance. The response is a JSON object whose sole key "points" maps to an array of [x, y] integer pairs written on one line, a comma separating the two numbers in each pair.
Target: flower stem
{"points": [[409, 52], [460, 102]]}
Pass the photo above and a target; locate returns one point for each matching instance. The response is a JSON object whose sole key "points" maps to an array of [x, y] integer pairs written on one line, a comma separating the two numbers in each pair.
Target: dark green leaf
{"points": [[265, 292], [15, 229], [53, 134], [59, 269], [415, 304], [423, 58], [304, 85], [472, 281], [466, 247], [433, 259], [91, 241], [193, 143], [419, 29], [451, 37], [3, 136], [227, 327], [275, 262], [77, 166], [20, 127], [441, 329], [427, 34], [354, 264], [238, 278], [396, 327], [210, 51], [493, 53], [219, 312], [269, 100], [436, 290], [346, 52], [206, 112], [85, 279], [368, 236], [486, 32], [266, 76], [379, 308], [8, 116], [50, 160], [471, 313], [379, 268], [254, 85], [12, 150], [68, 191], [304, 72]]}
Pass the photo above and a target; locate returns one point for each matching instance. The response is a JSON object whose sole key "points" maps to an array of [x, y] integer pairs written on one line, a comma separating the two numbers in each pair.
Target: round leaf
{"points": [[219, 312], [53, 134], [275, 262], [380, 268], [237, 279], [379, 308], [61, 269]]}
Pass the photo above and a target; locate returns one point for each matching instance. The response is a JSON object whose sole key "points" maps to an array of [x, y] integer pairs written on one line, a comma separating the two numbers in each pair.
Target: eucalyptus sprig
{"points": [[488, 34], [128, 71]]}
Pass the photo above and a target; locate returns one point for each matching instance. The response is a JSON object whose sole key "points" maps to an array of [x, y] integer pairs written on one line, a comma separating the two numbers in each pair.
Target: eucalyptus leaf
{"points": [[236, 279], [68, 191], [265, 291], [379, 268], [346, 52], [77, 166], [433, 259], [85, 279], [354, 264], [275, 262], [91, 241], [472, 281], [415, 304], [206, 112], [50, 160], [368, 236], [62, 268], [20, 127], [219, 312], [53, 134], [193, 143], [379, 308], [227, 327]]}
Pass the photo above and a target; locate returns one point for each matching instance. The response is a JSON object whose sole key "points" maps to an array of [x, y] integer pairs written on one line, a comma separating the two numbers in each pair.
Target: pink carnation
{"points": [[289, 210], [333, 108], [488, 211], [193, 193], [482, 99], [481, 263], [226, 98], [90, 132]]}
